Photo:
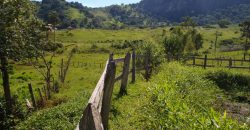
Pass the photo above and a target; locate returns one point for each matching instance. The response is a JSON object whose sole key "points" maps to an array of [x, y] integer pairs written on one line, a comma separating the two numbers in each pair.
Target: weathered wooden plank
{"points": [[32, 95], [133, 66], [108, 90], [240, 67], [147, 61], [119, 60], [98, 92], [29, 105], [118, 78], [91, 119], [205, 62], [221, 59], [230, 63], [194, 61], [41, 96], [203, 65]]}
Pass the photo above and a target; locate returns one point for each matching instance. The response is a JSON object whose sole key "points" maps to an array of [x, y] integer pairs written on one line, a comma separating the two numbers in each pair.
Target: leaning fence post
{"points": [[205, 62], [230, 63], [62, 72], [45, 92], [41, 96], [32, 95], [147, 67], [133, 66], [107, 94], [92, 120], [125, 74], [111, 56], [194, 61]]}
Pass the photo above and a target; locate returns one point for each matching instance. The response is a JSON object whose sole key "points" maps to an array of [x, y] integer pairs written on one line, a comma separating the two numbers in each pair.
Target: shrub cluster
{"points": [[182, 98]]}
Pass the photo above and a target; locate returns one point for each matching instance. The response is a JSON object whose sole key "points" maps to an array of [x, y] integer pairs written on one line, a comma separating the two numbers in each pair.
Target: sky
{"points": [[103, 3]]}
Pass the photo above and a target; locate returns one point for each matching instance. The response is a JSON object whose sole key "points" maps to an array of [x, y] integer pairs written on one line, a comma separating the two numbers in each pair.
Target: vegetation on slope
{"points": [[180, 97], [147, 13]]}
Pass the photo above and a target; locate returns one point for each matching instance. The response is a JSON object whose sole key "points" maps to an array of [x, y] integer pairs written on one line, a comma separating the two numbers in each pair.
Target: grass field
{"points": [[94, 46]]}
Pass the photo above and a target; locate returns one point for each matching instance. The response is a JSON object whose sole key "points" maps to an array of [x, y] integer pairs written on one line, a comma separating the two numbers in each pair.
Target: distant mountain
{"points": [[143, 14], [174, 10]]}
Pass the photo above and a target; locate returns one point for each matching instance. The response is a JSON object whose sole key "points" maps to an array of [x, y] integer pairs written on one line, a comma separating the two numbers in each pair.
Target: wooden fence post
{"points": [[107, 94], [194, 61], [32, 95], [41, 95], [147, 67], [205, 62], [244, 56], [230, 63], [133, 66], [61, 74], [111, 56], [125, 73], [45, 92]]}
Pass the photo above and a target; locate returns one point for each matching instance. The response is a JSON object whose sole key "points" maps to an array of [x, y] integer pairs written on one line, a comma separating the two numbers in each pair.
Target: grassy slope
{"points": [[167, 102], [83, 80]]}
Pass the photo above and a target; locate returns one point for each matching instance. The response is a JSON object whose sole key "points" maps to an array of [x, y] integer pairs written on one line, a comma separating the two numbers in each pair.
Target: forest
{"points": [[147, 13]]}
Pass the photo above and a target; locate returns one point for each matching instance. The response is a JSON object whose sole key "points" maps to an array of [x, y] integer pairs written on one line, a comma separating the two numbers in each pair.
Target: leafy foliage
{"points": [[182, 98], [183, 40], [146, 13], [65, 116], [204, 11]]}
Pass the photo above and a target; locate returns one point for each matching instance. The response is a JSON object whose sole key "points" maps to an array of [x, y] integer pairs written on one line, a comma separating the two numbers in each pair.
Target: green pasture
{"points": [[94, 46]]}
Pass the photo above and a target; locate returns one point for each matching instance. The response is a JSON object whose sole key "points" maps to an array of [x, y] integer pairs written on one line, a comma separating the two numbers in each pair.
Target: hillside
{"points": [[144, 14], [174, 10]]}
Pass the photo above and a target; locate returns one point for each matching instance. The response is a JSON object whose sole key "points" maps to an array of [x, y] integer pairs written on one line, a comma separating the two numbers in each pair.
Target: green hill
{"points": [[144, 14]]}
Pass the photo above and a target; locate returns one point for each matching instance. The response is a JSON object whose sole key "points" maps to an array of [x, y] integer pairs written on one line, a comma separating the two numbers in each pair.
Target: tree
{"points": [[245, 29], [175, 43], [53, 17], [188, 22], [14, 15], [223, 23], [21, 34], [41, 57], [198, 40], [189, 44], [217, 35]]}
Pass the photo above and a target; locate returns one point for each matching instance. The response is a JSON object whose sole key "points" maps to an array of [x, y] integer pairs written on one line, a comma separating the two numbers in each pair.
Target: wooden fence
{"points": [[219, 62], [96, 114]]}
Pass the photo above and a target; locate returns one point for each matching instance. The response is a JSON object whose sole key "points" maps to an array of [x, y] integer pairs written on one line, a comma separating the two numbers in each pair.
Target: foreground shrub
{"points": [[182, 98], [235, 85], [63, 117], [230, 81]]}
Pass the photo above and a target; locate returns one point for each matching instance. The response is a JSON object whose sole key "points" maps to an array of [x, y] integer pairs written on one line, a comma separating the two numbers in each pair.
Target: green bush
{"points": [[63, 117], [235, 85], [153, 51], [127, 44], [182, 98], [18, 114], [230, 81]]}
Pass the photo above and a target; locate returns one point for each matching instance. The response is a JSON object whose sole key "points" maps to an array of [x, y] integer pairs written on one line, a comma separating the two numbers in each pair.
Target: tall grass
{"points": [[182, 98]]}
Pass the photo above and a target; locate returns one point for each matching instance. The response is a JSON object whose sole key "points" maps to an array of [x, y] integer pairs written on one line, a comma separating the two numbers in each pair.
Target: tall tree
{"points": [[217, 35], [245, 29], [188, 22], [18, 27], [223, 23]]}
